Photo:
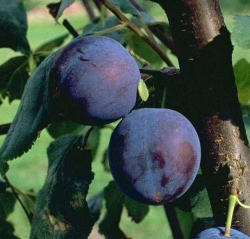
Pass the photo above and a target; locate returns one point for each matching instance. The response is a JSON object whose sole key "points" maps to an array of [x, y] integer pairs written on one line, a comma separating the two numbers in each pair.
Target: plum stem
{"points": [[233, 199]]}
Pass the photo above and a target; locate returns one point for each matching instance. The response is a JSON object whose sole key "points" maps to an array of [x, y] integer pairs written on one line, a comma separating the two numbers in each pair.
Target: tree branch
{"points": [[208, 97]]}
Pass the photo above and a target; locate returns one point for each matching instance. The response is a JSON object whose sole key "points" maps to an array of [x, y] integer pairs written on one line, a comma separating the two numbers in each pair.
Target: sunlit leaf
{"points": [[241, 31], [143, 90], [242, 75], [140, 48]]}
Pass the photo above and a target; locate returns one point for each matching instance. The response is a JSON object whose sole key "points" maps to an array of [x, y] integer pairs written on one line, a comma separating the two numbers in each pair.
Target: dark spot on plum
{"points": [[82, 59], [79, 50], [164, 180], [159, 160], [94, 65]]}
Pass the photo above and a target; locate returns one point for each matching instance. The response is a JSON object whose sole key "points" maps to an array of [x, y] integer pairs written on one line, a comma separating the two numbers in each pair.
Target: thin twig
{"points": [[157, 31], [89, 9], [29, 216], [70, 28], [4, 128], [138, 31]]}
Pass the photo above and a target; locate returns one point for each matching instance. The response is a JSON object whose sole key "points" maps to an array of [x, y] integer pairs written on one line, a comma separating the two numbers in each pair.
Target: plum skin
{"points": [[94, 80], [154, 155], [217, 233]]}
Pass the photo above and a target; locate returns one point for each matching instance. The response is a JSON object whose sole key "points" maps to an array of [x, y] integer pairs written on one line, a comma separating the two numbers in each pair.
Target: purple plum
{"points": [[218, 233], [94, 80], [154, 155]]}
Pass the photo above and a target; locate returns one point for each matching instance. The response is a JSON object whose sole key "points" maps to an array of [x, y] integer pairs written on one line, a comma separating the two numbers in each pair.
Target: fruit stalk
{"points": [[208, 98]]}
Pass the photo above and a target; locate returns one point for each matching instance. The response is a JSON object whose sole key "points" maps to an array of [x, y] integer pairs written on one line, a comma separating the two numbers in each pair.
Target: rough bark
{"points": [[208, 97]]}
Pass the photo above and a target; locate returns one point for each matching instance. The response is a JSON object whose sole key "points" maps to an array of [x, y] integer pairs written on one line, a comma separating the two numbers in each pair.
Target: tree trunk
{"points": [[208, 97]]}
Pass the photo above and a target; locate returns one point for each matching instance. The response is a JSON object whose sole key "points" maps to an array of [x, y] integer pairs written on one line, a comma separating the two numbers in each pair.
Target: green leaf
{"points": [[13, 77], [242, 75], [95, 205], [142, 49], [34, 113], [52, 44], [13, 26], [143, 90], [7, 202], [62, 210], [195, 200], [56, 9], [137, 211], [6, 230], [68, 127], [200, 205], [109, 226], [3, 186], [105, 26], [125, 6], [57, 130], [241, 32]]}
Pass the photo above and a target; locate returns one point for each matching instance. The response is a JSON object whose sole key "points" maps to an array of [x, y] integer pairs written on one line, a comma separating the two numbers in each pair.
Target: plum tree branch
{"points": [[208, 97], [151, 42]]}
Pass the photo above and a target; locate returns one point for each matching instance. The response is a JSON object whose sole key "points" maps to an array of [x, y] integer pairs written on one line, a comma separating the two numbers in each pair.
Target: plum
{"points": [[94, 80], [218, 232], [154, 155]]}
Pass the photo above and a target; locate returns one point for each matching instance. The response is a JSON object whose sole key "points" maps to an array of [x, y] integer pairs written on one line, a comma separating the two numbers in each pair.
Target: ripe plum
{"points": [[217, 233], [94, 80], [154, 155]]}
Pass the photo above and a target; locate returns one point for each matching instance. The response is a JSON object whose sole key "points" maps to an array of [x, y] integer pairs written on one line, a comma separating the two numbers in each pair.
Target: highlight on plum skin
{"points": [[154, 155], [94, 80]]}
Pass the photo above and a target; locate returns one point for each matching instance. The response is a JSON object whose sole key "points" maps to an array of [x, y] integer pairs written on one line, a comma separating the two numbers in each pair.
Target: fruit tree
{"points": [[143, 107]]}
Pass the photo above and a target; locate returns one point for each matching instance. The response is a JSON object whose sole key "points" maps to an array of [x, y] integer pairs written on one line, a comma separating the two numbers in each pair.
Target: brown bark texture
{"points": [[207, 96]]}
